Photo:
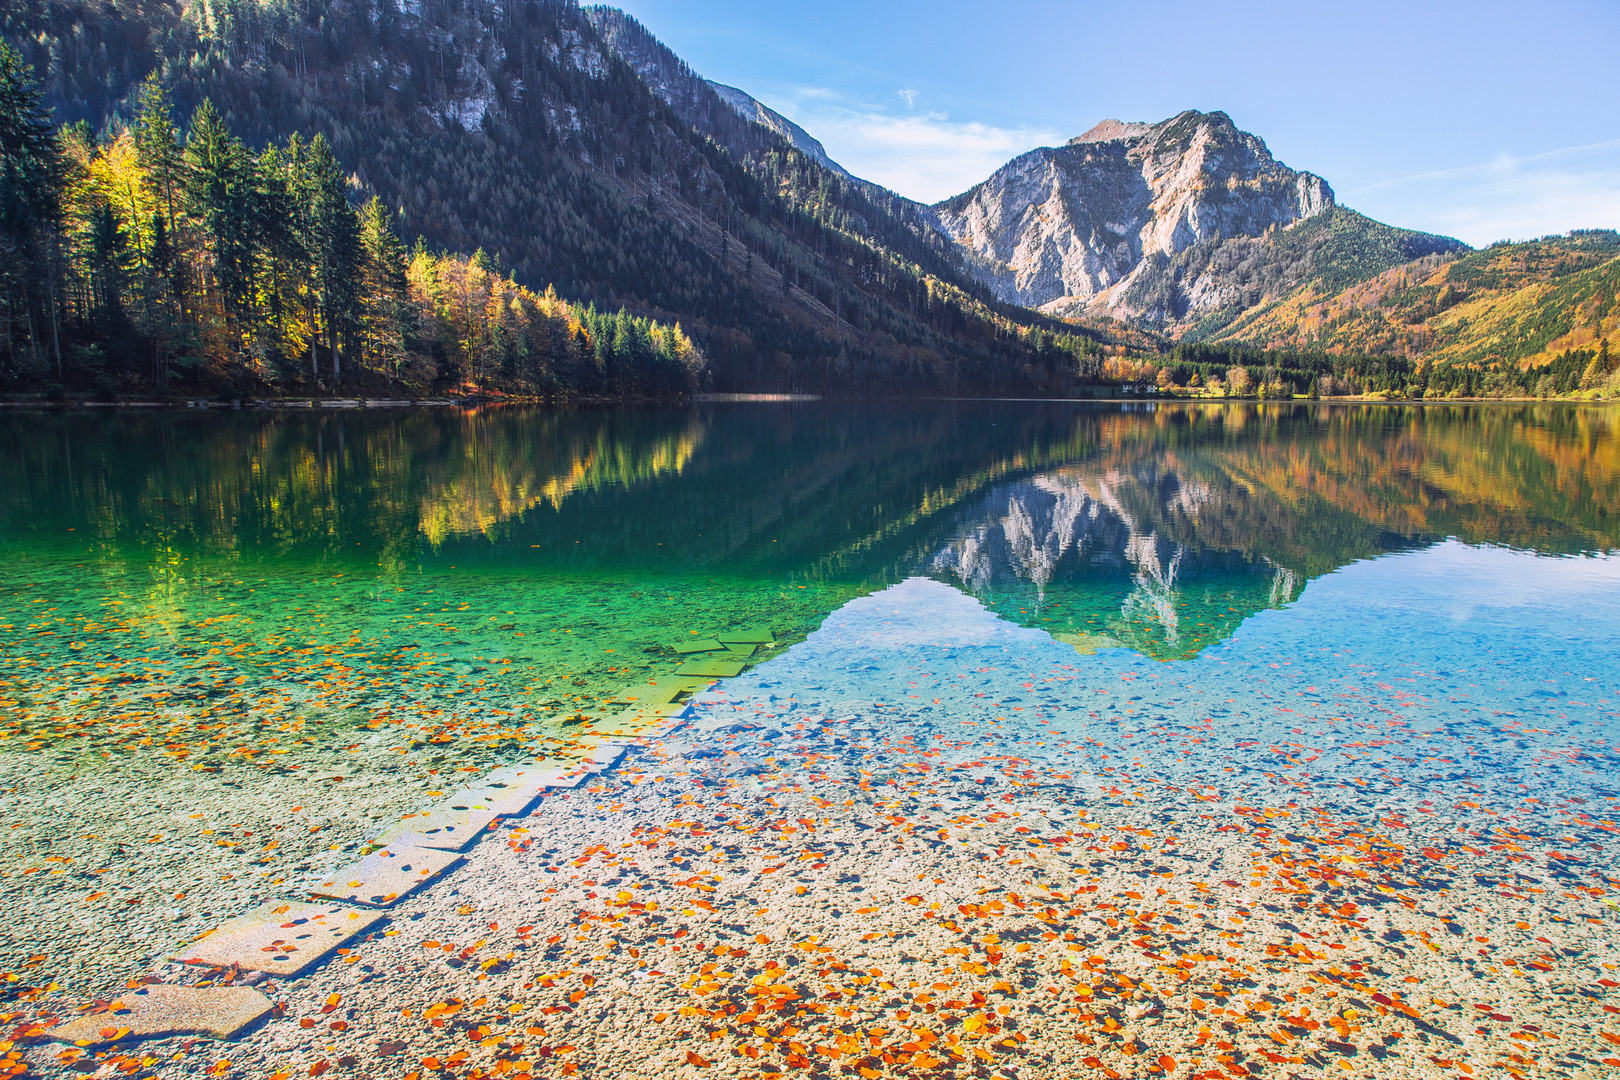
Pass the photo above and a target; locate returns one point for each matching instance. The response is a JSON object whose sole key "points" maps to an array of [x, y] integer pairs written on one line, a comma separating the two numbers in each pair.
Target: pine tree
{"points": [[333, 244], [384, 294], [31, 178], [158, 149], [1597, 370], [108, 259], [281, 260], [162, 318], [160, 158], [219, 194]]}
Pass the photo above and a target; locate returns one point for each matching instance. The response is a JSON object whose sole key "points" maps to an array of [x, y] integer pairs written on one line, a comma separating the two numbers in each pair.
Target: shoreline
{"points": [[352, 403]]}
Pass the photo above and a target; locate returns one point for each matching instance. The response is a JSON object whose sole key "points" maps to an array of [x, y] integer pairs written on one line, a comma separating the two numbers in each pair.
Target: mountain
{"points": [[573, 150], [1546, 302], [1179, 226], [758, 135], [539, 143], [767, 117]]}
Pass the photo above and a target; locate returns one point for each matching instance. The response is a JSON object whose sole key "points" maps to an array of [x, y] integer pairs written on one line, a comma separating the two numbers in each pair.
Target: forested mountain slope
{"points": [[744, 104], [1545, 304], [755, 134], [518, 131]]}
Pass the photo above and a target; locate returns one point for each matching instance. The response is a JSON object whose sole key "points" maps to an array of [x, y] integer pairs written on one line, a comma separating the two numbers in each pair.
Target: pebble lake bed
{"points": [[1064, 770]]}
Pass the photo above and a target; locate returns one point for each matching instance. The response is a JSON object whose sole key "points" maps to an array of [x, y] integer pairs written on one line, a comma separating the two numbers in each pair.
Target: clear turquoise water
{"points": [[1351, 668], [479, 576]]}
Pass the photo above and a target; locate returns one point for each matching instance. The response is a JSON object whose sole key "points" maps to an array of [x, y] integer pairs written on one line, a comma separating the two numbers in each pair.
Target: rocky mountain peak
{"points": [[1082, 227], [1112, 131]]}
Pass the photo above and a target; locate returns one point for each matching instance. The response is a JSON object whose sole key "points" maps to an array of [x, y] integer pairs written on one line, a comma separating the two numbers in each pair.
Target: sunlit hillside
{"points": [[1517, 304]]}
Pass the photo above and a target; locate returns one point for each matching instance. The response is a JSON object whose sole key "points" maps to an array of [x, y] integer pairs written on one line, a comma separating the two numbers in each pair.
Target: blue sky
{"points": [[1483, 120]]}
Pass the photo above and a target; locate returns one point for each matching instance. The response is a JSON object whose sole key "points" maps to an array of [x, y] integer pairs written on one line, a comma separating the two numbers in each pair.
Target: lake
{"points": [[1053, 739]]}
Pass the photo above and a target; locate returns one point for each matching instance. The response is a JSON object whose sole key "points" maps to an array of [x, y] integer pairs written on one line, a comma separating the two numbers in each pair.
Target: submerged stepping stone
{"points": [[603, 756], [738, 649], [446, 827], [505, 800], [573, 776], [633, 722], [658, 691], [564, 772], [279, 938], [712, 669], [609, 729], [698, 645], [386, 876], [748, 635], [534, 776], [652, 712], [157, 1012]]}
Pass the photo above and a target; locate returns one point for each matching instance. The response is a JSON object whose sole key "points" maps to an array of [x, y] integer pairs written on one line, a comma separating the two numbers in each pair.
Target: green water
{"points": [[254, 587]]}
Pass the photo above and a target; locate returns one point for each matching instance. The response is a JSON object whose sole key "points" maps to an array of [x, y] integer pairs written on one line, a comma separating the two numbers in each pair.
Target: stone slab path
{"points": [[162, 1011], [383, 877], [278, 938], [285, 938]]}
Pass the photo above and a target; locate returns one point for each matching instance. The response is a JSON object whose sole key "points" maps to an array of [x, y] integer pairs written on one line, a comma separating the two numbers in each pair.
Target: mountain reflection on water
{"points": [[1065, 553], [1155, 527]]}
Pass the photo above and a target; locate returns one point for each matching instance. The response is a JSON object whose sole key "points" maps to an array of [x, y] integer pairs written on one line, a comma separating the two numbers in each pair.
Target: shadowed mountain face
{"points": [[1163, 224]]}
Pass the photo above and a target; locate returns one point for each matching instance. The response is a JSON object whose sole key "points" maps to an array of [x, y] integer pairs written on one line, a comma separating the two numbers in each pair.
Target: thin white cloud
{"points": [[1503, 161], [925, 156], [1508, 198], [909, 96]]}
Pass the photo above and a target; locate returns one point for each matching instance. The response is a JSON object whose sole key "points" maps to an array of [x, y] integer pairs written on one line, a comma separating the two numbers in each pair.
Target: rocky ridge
{"points": [[712, 108], [767, 117]]}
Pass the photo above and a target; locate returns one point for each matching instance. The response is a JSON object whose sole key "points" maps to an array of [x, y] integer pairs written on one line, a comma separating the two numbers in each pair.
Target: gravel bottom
{"points": [[928, 844]]}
